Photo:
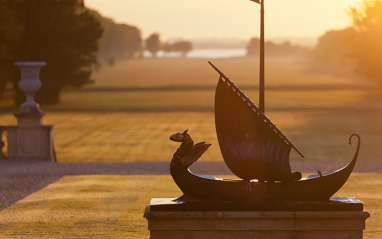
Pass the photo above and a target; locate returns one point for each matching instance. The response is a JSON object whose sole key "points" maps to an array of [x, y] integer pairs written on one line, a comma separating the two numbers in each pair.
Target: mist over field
{"points": [[158, 97]]}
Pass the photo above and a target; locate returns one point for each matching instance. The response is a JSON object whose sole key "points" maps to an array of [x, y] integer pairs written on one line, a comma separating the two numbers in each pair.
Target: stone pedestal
{"points": [[29, 118], [30, 142], [185, 221]]}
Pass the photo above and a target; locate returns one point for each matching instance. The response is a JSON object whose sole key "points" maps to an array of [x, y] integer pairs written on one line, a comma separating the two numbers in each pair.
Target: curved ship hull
{"points": [[313, 188]]}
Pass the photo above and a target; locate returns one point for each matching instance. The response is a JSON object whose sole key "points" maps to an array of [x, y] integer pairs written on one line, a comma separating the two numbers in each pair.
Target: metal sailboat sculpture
{"points": [[256, 151]]}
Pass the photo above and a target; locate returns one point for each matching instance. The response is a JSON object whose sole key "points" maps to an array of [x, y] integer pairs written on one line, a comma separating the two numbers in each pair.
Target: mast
{"points": [[262, 62], [262, 88]]}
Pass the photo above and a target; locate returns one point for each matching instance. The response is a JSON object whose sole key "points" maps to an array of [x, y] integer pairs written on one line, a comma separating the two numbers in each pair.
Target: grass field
{"points": [[134, 106], [113, 206], [244, 71], [137, 136]]}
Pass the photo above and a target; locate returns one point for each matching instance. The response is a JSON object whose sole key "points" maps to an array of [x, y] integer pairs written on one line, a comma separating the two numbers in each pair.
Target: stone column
{"points": [[30, 139]]}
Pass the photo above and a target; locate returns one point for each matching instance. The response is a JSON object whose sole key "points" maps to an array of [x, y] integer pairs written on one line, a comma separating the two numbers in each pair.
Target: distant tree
{"points": [[333, 46], [141, 51], [167, 48], [365, 44], [183, 47], [153, 44], [62, 33], [118, 41], [253, 47], [273, 49], [134, 41]]}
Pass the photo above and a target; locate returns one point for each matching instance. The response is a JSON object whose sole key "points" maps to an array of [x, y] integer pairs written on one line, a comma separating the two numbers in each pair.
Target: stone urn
{"points": [[29, 112], [29, 84]]}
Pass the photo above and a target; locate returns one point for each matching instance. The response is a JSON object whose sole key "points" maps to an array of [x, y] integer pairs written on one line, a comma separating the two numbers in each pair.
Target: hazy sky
{"points": [[189, 19]]}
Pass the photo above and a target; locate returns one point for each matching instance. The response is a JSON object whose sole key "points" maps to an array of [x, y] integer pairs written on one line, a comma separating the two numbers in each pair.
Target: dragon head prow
{"points": [[187, 153], [179, 137]]}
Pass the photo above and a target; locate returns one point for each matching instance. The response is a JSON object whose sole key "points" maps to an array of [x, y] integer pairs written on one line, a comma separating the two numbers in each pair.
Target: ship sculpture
{"points": [[256, 151]]}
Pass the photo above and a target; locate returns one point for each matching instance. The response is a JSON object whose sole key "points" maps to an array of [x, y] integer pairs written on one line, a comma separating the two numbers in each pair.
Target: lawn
{"points": [[144, 136], [134, 106], [113, 206]]}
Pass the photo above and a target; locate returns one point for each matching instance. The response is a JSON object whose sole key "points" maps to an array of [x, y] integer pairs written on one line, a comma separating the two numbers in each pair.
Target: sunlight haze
{"points": [[227, 18]]}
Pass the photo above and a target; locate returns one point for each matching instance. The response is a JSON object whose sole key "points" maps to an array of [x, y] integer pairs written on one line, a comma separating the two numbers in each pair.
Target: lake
{"points": [[205, 53]]}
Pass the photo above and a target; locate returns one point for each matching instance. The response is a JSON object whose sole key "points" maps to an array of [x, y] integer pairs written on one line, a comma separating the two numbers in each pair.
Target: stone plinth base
{"points": [[29, 116], [224, 224], [30, 142]]}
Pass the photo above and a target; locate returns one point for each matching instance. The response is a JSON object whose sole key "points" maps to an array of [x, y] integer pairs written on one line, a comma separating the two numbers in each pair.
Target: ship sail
{"points": [[251, 145]]}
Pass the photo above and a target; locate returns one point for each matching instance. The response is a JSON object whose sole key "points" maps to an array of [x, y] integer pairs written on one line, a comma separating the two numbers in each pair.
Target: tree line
{"points": [[74, 40], [71, 38], [118, 41], [359, 44], [274, 49], [154, 45]]}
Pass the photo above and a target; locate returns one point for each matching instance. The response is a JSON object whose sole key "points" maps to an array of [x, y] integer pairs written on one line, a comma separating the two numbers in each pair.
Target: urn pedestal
{"points": [[30, 142], [30, 139]]}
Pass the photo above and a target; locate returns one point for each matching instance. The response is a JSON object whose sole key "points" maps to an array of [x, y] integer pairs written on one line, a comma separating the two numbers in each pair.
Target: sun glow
{"points": [[227, 18]]}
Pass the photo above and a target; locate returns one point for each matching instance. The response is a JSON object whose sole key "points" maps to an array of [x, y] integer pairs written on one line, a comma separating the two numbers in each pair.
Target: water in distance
{"points": [[204, 53]]}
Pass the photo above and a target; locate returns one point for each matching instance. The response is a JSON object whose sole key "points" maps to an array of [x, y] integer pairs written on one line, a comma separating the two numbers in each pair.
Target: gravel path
{"points": [[19, 179]]}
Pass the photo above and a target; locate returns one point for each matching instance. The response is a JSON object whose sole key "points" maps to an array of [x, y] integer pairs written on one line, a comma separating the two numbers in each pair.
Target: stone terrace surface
{"points": [[18, 179]]}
